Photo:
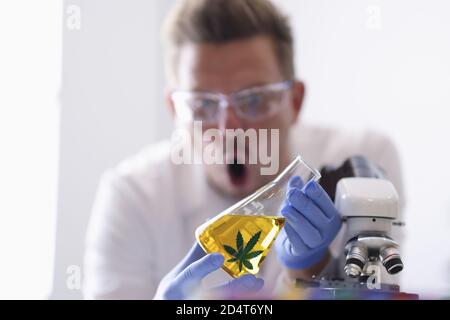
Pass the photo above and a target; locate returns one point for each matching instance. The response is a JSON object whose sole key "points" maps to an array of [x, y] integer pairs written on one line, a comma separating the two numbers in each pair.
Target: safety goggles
{"points": [[255, 103]]}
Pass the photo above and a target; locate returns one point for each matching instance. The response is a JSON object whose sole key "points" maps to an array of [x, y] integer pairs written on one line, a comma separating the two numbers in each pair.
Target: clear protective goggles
{"points": [[254, 103]]}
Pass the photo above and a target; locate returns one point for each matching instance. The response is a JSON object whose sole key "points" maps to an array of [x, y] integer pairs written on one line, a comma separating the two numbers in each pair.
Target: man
{"points": [[231, 66]]}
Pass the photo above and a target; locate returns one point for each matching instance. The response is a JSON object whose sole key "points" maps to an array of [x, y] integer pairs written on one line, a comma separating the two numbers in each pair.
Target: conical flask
{"points": [[245, 232]]}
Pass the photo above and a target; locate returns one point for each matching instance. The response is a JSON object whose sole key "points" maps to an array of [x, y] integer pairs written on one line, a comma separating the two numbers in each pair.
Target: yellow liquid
{"points": [[224, 231]]}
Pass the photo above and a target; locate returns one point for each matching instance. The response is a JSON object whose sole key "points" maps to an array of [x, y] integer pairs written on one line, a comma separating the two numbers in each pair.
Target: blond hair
{"points": [[220, 21]]}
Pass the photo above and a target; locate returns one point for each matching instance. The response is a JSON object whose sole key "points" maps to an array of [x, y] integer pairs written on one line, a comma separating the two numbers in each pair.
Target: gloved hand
{"points": [[183, 281], [312, 223]]}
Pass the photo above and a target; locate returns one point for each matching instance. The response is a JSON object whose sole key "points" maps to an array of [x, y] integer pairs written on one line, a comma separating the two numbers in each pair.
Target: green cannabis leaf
{"points": [[242, 254]]}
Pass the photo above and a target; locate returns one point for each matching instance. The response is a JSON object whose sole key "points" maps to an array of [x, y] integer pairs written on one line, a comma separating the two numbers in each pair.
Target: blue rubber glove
{"points": [[312, 223], [183, 281]]}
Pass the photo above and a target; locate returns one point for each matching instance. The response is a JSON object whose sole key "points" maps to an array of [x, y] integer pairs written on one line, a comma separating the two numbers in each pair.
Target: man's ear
{"points": [[298, 93], [169, 102]]}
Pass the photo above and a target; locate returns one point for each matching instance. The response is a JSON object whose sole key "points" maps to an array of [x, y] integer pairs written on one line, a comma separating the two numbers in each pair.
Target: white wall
{"points": [[30, 61], [112, 105], [370, 64]]}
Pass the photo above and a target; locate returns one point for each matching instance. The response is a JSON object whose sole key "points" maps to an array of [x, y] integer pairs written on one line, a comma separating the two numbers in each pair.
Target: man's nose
{"points": [[229, 119]]}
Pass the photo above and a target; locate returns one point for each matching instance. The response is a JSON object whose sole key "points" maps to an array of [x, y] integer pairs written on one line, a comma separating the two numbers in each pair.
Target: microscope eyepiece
{"points": [[390, 257], [357, 256]]}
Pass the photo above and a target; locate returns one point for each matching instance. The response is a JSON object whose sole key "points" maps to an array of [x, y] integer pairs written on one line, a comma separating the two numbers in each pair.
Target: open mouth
{"points": [[237, 173]]}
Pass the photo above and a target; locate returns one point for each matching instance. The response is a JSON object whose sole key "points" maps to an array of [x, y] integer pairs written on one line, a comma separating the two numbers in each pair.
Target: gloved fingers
{"points": [[293, 243], [295, 182], [194, 254], [307, 232], [307, 208], [317, 194], [247, 283], [199, 269]]}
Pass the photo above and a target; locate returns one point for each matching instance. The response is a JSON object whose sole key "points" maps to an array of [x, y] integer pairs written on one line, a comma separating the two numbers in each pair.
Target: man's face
{"points": [[232, 67]]}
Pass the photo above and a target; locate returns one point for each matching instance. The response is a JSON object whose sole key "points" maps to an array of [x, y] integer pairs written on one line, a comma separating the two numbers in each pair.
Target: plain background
{"points": [[381, 65], [30, 72]]}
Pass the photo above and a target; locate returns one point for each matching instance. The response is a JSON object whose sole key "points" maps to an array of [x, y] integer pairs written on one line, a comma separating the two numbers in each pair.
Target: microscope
{"points": [[369, 205]]}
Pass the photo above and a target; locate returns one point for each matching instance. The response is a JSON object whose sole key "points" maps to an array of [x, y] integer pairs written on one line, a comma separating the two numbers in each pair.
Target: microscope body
{"points": [[369, 207]]}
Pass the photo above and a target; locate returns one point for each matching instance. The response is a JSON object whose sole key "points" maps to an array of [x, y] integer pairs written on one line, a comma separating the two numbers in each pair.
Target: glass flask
{"points": [[245, 232]]}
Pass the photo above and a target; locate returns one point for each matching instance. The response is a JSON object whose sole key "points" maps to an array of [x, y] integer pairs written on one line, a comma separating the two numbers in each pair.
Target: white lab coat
{"points": [[147, 209]]}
